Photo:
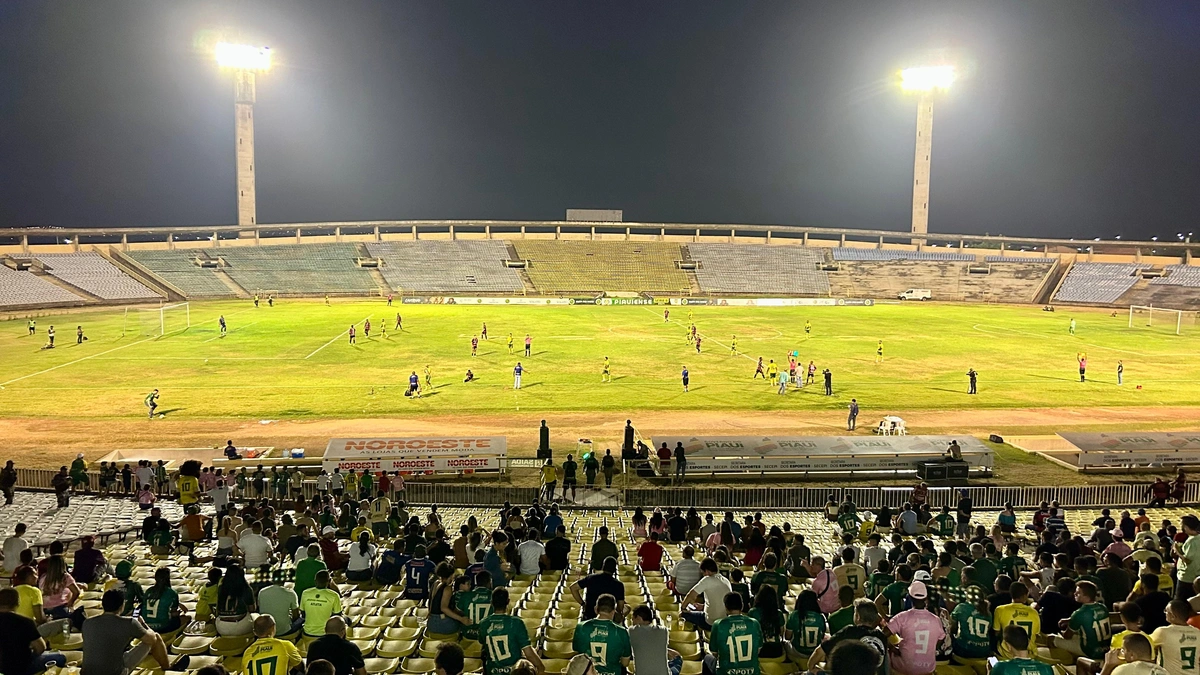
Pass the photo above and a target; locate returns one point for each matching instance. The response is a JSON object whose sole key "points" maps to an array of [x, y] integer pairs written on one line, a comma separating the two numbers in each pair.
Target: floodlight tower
{"points": [[925, 81], [245, 61]]}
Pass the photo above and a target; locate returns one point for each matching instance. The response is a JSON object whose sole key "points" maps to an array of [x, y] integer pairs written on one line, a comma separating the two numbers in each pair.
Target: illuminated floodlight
{"points": [[927, 78], [243, 57]]}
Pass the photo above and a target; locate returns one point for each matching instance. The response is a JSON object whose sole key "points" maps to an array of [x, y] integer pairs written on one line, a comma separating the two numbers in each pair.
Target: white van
{"points": [[916, 294]]}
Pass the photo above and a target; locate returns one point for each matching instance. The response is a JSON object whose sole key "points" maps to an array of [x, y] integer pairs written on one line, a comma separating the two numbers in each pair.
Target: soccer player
{"points": [[685, 379], [606, 642], [470, 376], [1071, 328], [807, 326], [697, 344], [352, 333], [528, 344], [270, 301], [428, 381], [812, 373], [606, 373], [268, 654], [1120, 372], [326, 299], [484, 331], [152, 402], [691, 317], [1081, 357], [734, 642], [79, 338], [517, 370], [414, 385], [772, 371], [221, 321], [510, 343], [383, 329], [505, 638], [366, 328], [879, 352], [733, 346], [50, 334], [256, 299], [852, 419], [32, 326], [399, 324], [389, 300], [666, 315], [758, 370], [475, 346]]}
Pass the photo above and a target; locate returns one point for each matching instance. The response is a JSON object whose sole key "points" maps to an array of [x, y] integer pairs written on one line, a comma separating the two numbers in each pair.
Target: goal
{"points": [[1151, 316], [158, 321]]}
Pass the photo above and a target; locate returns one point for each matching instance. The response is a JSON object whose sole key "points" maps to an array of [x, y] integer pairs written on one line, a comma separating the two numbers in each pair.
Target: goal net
{"points": [[159, 321], [1161, 318]]}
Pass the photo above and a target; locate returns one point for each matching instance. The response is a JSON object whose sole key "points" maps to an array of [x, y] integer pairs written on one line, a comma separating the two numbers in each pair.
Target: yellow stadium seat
{"points": [[410, 621], [401, 633], [558, 650], [978, 665], [692, 668], [472, 649], [772, 668], [191, 644], [198, 662], [689, 651], [555, 666], [375, 621], [363, 633], [560, 634], [230, 646], [367, 647], [954, 669], [397, 649], [378, 666], [417, 666]]}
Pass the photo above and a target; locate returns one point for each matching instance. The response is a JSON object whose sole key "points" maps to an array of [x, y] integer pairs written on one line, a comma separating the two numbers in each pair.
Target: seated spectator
{"points": [[1177, 640], [319, 603], [361, 565], [865, 631], [1019, 662], [444, 618], [107, 639], [307, 569], [648, 642], [686, 572], [230, 451], [23, 648], [282, 605], [334, 559], [333, 648], [268, 654], [650, 554], [160, 607], [450, 659], [88, 561], [531, 554], [60, 592], [235, 602]]}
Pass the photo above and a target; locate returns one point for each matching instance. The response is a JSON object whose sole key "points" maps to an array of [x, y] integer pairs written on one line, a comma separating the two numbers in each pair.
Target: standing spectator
{"points": [[963, 514], [609, 464], [12, 548], [591, 466], [8, 482], [680, 463], [79, 476], [1188, 553], [1178, 487], [549, 480], [852, 419], [106, 640], [61, 482]]}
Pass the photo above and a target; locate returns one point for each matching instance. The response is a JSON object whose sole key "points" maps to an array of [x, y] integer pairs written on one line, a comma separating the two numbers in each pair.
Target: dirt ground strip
{"points": [[52, 442]]}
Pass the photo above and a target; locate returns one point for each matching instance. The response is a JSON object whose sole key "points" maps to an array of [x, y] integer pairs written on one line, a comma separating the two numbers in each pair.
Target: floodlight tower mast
{"points": [[245, 62], [925, 81]]}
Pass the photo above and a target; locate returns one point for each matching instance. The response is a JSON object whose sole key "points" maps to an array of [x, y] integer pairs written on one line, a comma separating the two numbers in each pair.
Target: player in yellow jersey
{"points": [[807, 327], [268, 655], [879, 352], [606, 374], [733, 346], [772, 372], [428, 379], [1019, 613], [510, 343]]}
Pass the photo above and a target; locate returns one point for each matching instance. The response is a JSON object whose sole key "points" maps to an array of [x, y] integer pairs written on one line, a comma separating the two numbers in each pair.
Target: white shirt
{"points": [[1140, 668], [220, 496], [871, 557], [337, 481], [12, 552], [256, 548], [359, 561], [145, 475], [530, 553], [323, 481], [1173, 642], [685, 573], [714, 588]]}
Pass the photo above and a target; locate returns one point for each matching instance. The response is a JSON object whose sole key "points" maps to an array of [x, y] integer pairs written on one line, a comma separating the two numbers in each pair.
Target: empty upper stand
{"points": [[587, 266], [1178, 275], [1100, 283], [849, 253], [447, 266], [178, 269], [758, 268], [297, 268], [93, 273], [22, 289]]}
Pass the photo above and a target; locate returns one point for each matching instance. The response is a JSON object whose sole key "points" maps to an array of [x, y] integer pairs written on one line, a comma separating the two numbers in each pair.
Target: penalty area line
{"points": [[335, 339], [71, 363]]}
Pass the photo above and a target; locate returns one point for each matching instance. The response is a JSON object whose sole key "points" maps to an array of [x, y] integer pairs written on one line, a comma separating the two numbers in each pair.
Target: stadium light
{"points": [[925, 81], [927, 78], [243, 57], [245, 61]]}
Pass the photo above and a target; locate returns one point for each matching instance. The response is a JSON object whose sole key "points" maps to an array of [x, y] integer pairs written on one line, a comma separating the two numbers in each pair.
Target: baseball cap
{"points": [[329, 529], [922, 575], [1118, 534], [917, 590], [124, 569]]}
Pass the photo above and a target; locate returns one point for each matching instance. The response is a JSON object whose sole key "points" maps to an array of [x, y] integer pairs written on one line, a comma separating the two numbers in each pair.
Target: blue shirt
{"points": [[416, 578], [685, 374], [412, 380], [551, 525], [517, 370], [491, 563]]}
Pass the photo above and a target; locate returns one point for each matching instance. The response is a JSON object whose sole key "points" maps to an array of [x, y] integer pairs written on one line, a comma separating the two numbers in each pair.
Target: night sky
{"points": [[1073, 119]]}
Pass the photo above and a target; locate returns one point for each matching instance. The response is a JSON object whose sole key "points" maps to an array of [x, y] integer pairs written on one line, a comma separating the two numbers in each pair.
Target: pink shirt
{"points": [[826, 587], [58, 599], [919, 630]]}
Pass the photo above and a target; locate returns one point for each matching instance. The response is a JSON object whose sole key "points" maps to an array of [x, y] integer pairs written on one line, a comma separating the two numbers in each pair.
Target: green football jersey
{"points": [[476, 605], [503, 636], [895, 593], [1013, 565], [849, 522], [808, 632], [1022, 667], [973, 639], [985, 572], [737, 639], [773, 578], [878, 582], [840, 619], [604, 641], [157, 606], [1091, 622], [944, 525]]}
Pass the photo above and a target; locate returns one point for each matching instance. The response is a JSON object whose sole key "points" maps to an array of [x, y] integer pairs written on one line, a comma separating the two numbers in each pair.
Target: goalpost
{"points": [[159, 321], [1165, 317]]}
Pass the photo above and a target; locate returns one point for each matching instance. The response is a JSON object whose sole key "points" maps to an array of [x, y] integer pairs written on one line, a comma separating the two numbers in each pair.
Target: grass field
{"points": [[293, 361]]}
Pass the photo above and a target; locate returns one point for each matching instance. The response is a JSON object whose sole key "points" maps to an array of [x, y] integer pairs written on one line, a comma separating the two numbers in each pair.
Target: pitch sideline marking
{"points": [[335, 338]]}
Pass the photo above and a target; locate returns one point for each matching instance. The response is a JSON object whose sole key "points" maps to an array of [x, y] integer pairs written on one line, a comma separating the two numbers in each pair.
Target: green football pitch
{"points": [[293, 360]]}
